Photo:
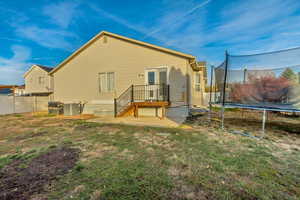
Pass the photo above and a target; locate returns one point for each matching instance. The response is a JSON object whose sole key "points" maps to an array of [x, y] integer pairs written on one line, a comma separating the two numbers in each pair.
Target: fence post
{"points": [[35, 104], [14, 103]]}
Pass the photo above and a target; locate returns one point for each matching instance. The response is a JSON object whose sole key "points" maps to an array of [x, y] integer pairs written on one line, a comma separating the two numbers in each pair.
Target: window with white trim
{"points": [[107, 82], [197, 82]]}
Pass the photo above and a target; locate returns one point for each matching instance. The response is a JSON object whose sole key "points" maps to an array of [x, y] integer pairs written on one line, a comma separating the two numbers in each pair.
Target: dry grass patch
{"points": [[128, 162]]}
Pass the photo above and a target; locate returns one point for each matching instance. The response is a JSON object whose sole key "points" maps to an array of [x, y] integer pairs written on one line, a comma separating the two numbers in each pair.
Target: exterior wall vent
{"points": [[104, 39]]}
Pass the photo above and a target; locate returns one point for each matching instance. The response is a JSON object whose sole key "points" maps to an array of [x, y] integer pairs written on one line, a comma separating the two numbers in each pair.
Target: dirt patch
{"points": [[249, 121], [157, 139], [31, 135], [21, 179]]}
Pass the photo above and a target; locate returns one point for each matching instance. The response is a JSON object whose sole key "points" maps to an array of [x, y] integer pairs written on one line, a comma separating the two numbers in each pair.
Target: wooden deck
{"points": [[133, 108]]}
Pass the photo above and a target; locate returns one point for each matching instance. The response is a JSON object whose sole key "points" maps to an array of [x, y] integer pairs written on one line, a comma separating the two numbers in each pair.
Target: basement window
{"points": [[106, 82]]}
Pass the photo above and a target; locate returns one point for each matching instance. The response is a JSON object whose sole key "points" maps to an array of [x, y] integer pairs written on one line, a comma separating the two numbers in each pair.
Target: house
{"points": [[19, 90], [38, 82], [115, 75]]}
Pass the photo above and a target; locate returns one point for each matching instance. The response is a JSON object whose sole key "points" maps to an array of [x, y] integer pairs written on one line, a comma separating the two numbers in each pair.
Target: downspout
{"points": [[188, 86]]}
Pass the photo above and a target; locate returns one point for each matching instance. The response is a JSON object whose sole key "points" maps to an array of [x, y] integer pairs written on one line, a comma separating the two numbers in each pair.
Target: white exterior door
{"points": [[154, 79]]}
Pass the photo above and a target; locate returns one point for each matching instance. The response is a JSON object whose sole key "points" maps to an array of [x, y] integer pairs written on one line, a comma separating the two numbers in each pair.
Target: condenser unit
{"points": [[71, 109]]}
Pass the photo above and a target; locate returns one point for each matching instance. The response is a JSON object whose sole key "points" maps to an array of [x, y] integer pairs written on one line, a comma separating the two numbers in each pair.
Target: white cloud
{"points": [[243, 19], [118, 19], [51, 38], [12, 69], [61, 13], [175, 20], [256, 22], [172, 28], [55, 38]]}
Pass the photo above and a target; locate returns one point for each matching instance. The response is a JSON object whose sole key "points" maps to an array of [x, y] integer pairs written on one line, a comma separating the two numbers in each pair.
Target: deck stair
{"points": [[141, 96]]}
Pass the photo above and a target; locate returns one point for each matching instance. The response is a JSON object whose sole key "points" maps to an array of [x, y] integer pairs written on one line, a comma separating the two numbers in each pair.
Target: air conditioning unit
{"points": [[71, 109], [56, 108]]}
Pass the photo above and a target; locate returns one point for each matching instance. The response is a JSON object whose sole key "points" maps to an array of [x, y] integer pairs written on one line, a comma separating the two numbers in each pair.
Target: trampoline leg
{"points": [[264, 123], [210, 113], [222, 116]]}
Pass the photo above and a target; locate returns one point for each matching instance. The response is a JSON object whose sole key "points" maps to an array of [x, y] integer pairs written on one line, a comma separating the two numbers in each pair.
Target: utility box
{"points": [[71, 109], [55, 108]]}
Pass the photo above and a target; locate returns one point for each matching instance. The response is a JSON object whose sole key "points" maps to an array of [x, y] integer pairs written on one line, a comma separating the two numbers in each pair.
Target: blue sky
{"points": [[47, 31]]}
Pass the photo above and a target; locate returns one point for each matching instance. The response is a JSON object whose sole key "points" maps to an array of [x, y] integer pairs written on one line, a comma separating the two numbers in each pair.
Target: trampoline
{"points": [[265, 82]]}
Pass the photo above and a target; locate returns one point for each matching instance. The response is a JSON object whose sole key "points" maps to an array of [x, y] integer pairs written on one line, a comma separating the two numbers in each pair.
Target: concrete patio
{"points": [[140, 121]]}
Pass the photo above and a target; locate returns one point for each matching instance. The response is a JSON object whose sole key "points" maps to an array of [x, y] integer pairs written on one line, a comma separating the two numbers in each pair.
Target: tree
{"points": [[290, 75], [261, 90]]}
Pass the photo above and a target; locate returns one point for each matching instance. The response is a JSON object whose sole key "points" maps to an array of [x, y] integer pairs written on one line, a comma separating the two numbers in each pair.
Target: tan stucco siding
{"points": [[197, 98], [77, 80], [32, 83]]}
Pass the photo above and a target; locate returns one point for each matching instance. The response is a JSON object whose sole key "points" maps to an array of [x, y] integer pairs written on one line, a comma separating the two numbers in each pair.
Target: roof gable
{"points": [[44, 68], [137, 42]]}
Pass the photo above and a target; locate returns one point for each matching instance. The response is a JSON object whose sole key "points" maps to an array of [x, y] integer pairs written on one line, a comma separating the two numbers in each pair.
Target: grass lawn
{"points": [[76, 159]]}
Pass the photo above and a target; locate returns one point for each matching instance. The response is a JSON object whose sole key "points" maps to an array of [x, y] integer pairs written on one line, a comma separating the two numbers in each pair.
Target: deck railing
{"points": [[141, 93]]}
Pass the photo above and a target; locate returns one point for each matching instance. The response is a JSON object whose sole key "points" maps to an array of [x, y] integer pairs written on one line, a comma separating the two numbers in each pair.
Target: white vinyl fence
{"points": [[22, 104]]}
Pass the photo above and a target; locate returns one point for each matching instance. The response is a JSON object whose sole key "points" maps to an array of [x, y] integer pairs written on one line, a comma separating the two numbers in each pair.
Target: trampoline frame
{"points": [[236, 105]]}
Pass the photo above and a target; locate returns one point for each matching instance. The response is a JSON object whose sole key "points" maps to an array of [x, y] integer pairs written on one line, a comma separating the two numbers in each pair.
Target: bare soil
{"points": [[22, 179], [249, 121]]}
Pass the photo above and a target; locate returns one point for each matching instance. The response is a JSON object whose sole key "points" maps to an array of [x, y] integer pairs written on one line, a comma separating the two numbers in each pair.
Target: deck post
{"points": [[132, 97], [115, 107], [136, 111]]}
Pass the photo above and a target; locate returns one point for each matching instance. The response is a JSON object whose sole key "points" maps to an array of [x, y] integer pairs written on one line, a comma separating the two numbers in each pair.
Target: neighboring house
{"points": [[38, 82], [116, 75], [19, 90], [199, 82]]}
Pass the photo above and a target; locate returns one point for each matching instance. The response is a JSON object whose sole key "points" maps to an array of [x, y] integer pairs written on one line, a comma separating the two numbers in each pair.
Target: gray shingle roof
{"points": [[47, 69]]}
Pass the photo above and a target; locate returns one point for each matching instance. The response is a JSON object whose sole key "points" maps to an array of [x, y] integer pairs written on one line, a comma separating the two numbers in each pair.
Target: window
{"points": [[197, 82], [151, 78], [107, 82], [41, 80], [163, 77], [110, 81]]}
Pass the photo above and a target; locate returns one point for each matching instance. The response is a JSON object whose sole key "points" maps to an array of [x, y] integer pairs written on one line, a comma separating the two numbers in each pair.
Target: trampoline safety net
{"points": [[269, 81]]}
